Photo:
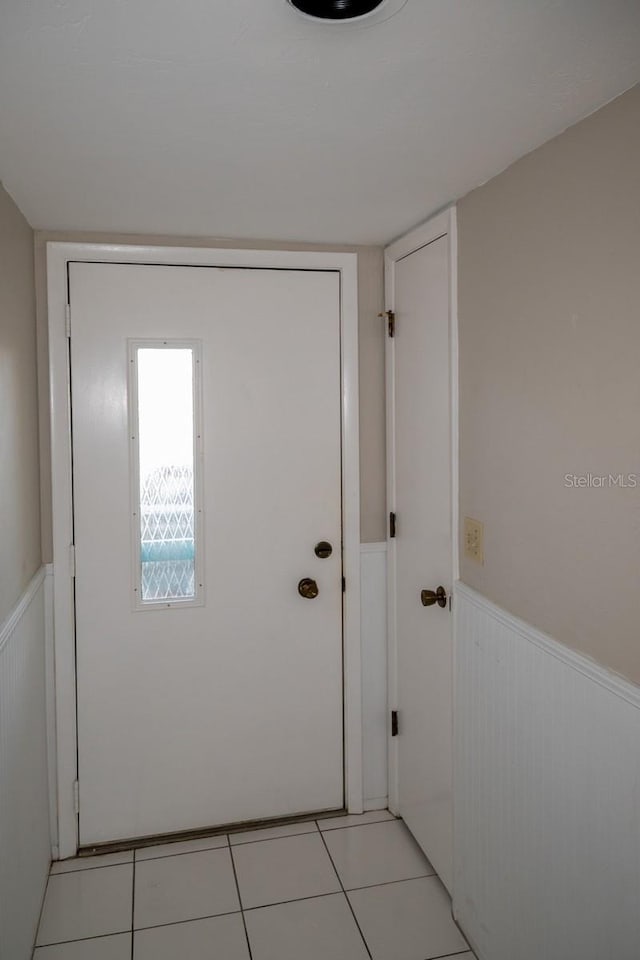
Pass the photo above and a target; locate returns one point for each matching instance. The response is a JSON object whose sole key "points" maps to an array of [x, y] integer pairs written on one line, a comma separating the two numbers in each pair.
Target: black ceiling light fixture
{"points": [[336, 9]]}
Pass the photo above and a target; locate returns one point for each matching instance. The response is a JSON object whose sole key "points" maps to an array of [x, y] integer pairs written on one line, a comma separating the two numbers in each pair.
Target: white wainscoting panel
{"points": [[373, 626], [24, 787], [547, 795]]}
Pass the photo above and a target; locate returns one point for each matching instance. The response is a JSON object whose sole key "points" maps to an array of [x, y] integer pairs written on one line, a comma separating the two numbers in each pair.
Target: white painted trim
{"points": [[8, 627], [590, 669], [438, 226], [392, 659], [379, 803], [58, 255], [380, 547], [442, 224], [354, 790], [50, 682], [455, 393], [374, 675]]}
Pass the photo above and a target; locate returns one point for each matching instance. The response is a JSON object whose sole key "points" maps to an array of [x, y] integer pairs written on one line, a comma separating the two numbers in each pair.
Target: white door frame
{"points": [[58, 256], [443, 224]]}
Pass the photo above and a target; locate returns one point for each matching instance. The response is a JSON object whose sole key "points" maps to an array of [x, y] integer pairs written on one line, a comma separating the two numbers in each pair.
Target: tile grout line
{"points": [[332, 893], [262, 906], [164, 856], [179, 923], [168, 856], [369, 823], [316, 828], [235, 876], [44, 897], [100, 866], [96, 936], [285, 836], [447, 956], [344, 893], [390, 883], [231, 913], [123, 933], [183, 853], [93, 866], [284, 903]]}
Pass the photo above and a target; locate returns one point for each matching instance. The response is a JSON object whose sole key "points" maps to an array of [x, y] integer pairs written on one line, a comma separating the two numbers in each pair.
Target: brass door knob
{"points": [[308, 588], [429, 597]]}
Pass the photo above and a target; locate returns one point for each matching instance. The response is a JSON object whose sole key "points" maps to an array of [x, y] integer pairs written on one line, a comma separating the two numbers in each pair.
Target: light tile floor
{"points": [[348, 888]]}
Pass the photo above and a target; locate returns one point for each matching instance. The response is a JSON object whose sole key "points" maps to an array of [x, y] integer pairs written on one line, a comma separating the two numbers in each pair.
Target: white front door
{"points": [[206, 419], [418, 277]]}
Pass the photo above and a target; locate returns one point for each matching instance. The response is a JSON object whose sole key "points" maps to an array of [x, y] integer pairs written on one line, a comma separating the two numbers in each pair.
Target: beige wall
{"points": [[549, 308], [371, 335], [19, 494]]}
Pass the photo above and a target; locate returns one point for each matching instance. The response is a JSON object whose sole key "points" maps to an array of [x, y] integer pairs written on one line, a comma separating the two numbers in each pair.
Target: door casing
{"points": [[59, 254], [442, 225]]}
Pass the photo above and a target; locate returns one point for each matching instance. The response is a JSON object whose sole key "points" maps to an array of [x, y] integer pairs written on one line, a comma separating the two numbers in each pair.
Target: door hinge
{"points": [[76, 797], [72, 560], [392, 525], [394, 723], [391, 323], [344, 585], [390, 317], [67, 320]]}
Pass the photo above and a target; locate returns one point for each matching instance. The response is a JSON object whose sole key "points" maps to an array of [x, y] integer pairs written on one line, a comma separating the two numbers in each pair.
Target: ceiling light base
{"points": [[337, 11]]}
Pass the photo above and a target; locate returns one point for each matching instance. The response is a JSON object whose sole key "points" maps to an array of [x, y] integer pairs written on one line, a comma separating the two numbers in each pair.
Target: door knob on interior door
{"points": [[308, 588], [429, 597]]}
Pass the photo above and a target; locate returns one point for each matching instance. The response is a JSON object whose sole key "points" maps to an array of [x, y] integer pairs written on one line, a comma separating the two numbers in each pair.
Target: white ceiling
{"points": [[240, 118]]}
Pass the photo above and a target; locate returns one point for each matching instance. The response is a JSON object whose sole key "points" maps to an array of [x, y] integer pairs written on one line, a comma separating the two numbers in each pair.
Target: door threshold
{"points": [[138, 843]]}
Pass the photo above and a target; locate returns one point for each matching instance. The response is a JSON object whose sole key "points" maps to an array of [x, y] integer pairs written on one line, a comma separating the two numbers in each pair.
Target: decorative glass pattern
{"points": [[166, 458]]}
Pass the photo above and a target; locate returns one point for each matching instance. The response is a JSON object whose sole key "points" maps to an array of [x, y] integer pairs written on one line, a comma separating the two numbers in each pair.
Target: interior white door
{"points": [[421, 451], [224, 706]]}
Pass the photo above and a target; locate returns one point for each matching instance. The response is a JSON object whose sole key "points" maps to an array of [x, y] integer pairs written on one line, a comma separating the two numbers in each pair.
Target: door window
{"points": [[165, 435]]}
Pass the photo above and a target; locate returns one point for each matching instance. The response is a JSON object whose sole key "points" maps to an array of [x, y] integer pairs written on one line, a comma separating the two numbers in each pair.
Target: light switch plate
{"points": [[474, 539]]}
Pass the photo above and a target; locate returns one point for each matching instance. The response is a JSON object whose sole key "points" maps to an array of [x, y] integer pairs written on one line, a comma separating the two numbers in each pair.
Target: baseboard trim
{"points": [[378, 803]]}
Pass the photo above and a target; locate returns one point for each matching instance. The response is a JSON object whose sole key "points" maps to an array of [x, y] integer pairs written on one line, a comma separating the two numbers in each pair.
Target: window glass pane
{"points": [[165, 450]]}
